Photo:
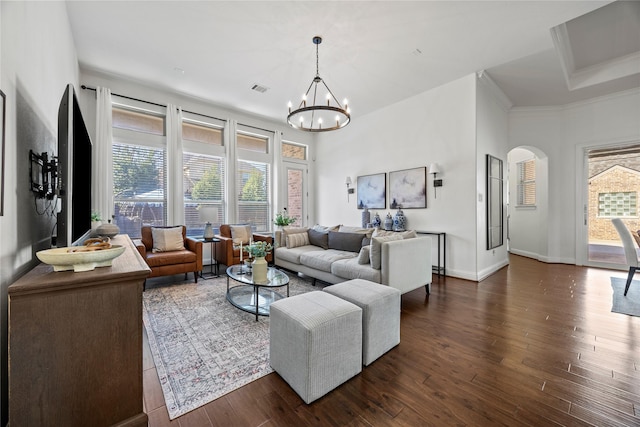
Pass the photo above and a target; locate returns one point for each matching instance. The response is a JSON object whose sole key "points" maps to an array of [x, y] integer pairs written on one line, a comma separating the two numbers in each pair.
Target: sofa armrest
{"points": [[195, 246], [140, 247], [406, 264]]}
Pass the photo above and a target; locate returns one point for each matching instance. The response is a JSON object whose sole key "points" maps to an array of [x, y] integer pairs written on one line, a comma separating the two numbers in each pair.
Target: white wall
{"points": [[38, 61], [492, 108], [435, 126], [561, 133]]}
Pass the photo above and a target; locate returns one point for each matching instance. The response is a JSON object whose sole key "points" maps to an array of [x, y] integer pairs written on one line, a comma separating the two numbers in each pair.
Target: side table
{"points": [[212, 256], [440, 269]]}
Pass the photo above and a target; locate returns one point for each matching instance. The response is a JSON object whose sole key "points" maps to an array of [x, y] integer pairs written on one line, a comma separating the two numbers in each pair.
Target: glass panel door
{"points": [[613, 184], [296, 193]]}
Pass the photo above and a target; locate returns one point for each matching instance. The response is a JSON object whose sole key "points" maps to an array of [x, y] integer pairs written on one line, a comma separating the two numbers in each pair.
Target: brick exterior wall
{"points": [[611, 174]]}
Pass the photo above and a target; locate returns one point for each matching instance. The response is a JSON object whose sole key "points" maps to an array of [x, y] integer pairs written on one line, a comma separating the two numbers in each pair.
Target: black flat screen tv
{"points": [[74, 172]]}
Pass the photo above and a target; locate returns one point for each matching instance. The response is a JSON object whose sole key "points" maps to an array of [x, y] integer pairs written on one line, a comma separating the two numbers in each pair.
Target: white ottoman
{"points": [[380, 306], [315, 342]]}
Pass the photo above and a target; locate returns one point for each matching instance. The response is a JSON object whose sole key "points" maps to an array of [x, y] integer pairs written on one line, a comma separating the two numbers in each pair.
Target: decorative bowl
{"points": [[63, 260]]}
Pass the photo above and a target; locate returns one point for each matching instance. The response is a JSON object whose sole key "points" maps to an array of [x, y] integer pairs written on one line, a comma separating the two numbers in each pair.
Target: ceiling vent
{"points": [[259, 88]]}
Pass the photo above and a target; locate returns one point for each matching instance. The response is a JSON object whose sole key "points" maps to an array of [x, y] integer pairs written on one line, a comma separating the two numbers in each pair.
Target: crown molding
{"points": [[485, 79]]}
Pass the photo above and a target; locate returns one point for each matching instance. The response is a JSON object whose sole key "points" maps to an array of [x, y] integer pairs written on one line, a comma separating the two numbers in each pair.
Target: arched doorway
{"points": [[527, 199]]}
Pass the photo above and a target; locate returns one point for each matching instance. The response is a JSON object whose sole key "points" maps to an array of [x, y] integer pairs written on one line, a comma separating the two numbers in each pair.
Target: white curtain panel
{"points": [[175, 190], [102, 158]]}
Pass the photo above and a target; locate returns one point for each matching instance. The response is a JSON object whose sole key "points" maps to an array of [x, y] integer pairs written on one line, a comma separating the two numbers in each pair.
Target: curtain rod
{"points": [[158, 105]]}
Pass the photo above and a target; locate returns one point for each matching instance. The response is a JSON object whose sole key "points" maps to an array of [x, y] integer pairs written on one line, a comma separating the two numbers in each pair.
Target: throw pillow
{"points": [[363, 256], [319, 238], [297, 239], [376, 248], [349, 229], [287, 231], [351, 242], [241, 233], [407, 234], [324, 228], [167, 239]]}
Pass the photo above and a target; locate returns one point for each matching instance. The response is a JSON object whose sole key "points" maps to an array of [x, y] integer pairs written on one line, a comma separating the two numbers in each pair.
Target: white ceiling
{"points": [[374, 53]]}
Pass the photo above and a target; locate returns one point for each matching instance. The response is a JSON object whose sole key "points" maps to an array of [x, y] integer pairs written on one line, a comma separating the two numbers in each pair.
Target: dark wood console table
{"points": [[440, 269], [75, 345]]}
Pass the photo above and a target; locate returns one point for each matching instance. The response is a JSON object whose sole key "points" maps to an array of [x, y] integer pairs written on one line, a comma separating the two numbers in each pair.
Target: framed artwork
{"points": [[408, 188], [372, 191], [2, 150], [495, 218]]}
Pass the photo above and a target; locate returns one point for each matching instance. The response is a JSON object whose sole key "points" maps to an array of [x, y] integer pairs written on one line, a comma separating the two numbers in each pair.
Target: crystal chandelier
{"points": [[319, 110]]}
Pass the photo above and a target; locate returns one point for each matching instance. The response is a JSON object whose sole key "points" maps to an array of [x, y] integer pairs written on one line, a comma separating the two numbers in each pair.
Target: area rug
{"points": [[629, 304], [204, 347]]}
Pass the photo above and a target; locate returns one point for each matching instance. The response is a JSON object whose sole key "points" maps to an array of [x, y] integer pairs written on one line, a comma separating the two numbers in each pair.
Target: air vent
{"points": [[259, 88]]}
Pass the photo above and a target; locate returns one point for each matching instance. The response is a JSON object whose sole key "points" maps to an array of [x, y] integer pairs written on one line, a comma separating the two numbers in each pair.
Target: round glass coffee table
{"points": [[255, 297]]}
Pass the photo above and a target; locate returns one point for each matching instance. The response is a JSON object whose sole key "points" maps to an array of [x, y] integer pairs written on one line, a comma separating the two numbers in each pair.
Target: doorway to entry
{"points": [[613, 186]]}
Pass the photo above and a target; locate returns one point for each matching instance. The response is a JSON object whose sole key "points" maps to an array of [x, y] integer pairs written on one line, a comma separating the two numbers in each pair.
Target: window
{"points": [[291, 150], [253, 183], [139, 167], [139, 187], [527, 183], [138, 121], [253, 143], [204, 173], [620, 204]]}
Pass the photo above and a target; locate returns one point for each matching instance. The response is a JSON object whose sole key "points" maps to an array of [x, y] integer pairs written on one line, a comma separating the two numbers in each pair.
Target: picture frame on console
{"points": [[372, 191], [408, 188]]}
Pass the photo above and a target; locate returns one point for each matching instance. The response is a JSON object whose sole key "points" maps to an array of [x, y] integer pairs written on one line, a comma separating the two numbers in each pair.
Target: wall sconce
{"points": [[349, 189], [435, 170]]}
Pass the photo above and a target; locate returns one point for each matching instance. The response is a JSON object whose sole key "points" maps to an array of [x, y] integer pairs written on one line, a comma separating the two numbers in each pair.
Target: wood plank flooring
{"points": [[533, 345]]}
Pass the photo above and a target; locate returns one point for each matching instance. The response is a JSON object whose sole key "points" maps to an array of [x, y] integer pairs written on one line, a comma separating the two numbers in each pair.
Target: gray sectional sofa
{"points": [[401, 260]]}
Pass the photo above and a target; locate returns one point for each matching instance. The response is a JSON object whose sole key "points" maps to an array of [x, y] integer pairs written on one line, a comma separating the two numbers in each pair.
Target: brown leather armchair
{"points": [[228, 255], [174, 262]]}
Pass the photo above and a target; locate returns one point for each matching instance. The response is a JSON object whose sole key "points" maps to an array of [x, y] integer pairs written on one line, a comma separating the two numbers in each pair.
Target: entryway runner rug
{"points": [[629, 304], [204, 347]]}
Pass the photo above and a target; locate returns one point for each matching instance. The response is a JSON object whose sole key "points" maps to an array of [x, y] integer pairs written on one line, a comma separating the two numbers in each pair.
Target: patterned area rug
{"points": [[629, 304], [204, 347]]}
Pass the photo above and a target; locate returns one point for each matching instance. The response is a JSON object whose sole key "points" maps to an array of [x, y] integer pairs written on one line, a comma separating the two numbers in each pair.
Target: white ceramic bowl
{"points": [[63, 260]]}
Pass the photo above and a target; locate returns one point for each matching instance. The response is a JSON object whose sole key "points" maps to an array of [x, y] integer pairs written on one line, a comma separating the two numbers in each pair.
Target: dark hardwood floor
{"points": [[534, 344]]}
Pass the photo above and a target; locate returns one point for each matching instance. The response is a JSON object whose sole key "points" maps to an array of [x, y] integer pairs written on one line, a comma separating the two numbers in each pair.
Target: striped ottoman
{"points": [[315, 342]]}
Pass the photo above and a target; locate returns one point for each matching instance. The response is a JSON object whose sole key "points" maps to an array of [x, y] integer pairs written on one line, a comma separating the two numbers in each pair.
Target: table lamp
{"points": [[208, 214]]}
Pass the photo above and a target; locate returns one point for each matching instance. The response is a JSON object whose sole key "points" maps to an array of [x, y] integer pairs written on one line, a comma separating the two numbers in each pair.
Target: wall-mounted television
{"points": [[74, 172]]}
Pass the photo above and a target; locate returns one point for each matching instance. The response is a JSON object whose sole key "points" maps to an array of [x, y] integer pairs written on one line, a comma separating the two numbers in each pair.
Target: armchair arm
{"points": [[140, 247], [406, 264], [195, 246], [224, 251]]}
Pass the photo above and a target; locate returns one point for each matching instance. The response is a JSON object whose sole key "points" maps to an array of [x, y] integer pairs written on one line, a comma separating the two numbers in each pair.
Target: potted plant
{"points": [[259, 250], [96, 221], [283, 219]]}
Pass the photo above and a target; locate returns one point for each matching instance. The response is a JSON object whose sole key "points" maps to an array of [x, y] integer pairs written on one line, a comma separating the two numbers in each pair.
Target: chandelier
{"points": [[319, 110]]}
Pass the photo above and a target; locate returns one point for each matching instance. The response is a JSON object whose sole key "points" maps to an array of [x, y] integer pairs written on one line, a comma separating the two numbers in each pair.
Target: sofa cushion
{"points": [[351, 242], [351, 269], [322, 260], [376, 248], [363, 256], [297, 239], [241, 233], [167, 239], [319, 238], [293, 255], [159, 259]]}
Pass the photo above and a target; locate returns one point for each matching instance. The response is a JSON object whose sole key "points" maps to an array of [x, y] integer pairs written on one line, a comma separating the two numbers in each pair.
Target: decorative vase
{"points": [[259, 270], [399, 221], [108, 230], [208, 231], [366, 217], [388, 222], [377, 222]]}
